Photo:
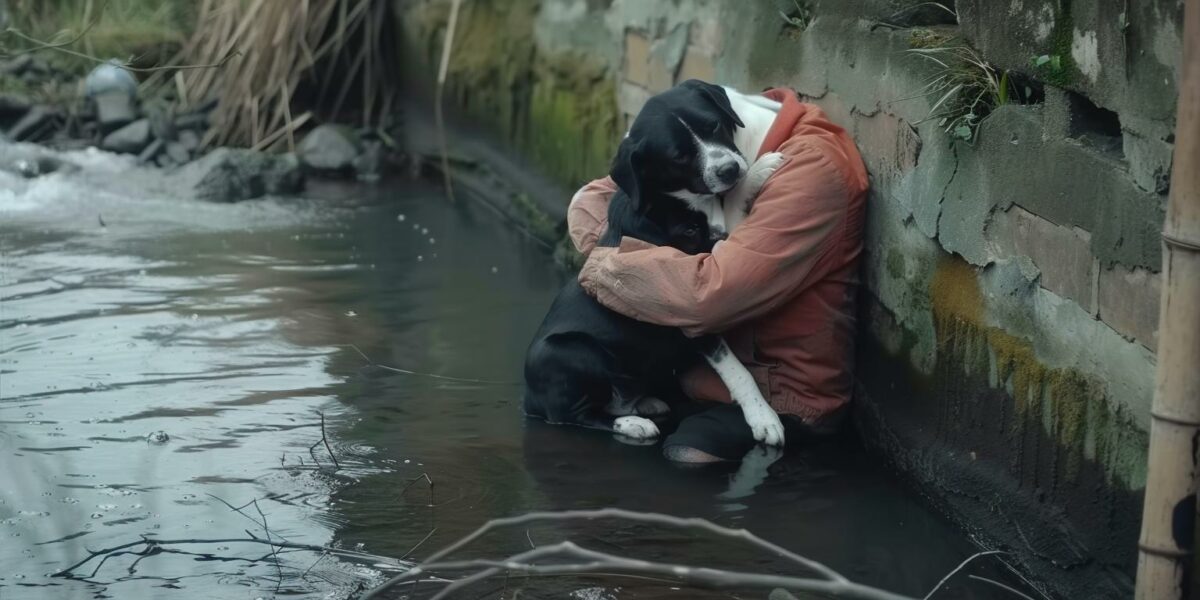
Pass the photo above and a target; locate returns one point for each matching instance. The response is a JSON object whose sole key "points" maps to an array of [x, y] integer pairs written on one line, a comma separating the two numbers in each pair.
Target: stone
{"points": [[1129, 303], [110, 77], [190, 140], [130, 139], [114, 109], [25, 65], [151, 151], [13, 106], [368, 166], [34, 124], [328, 148], [178, 152], [232, 175], [192, 121], [1062, 254]]}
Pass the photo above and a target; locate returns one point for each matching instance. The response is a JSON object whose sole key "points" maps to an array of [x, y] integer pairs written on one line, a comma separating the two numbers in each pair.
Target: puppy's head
{"points": [[681, 144]]}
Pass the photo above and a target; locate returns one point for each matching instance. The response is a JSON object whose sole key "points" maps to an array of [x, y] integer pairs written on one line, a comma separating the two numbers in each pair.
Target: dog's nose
{"points": [[728, 173]]}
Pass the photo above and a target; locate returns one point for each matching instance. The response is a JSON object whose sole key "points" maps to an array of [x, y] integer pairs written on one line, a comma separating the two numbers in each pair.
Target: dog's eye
{"points": [[691, 231], [680, 159], [718, 127]]}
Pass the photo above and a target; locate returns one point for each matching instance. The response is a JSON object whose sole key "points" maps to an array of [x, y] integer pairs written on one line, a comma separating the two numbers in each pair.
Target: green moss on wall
{"points": [[1065, 404], [1060, 70], [559, 110]]}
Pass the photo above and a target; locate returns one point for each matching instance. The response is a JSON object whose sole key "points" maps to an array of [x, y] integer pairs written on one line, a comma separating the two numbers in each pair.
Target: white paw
{"points": [[638, 428], [752, 472], [652, 406], [764, 422], [762, 170]]}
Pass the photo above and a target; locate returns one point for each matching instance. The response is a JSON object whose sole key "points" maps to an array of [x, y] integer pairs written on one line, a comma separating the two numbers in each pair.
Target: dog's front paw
{"points": [[638, 428], [764, 168], [764, 423], [651, 406]]}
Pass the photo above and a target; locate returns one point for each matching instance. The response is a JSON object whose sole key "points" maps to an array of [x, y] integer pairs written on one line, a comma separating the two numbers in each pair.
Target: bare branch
{"points": [[960, 567], [1000, 585]]}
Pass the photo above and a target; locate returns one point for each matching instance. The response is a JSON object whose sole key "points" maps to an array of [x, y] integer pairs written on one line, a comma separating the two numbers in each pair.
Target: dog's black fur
{"points": [[584, 353]]}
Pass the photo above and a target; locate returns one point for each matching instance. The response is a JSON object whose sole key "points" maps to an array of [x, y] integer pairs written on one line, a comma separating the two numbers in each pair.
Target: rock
{"points": [[34, 124], [368, 166], [230, 175], [189, 140], [109, 77], [114, 110], [193, 121], [130, 139], [151, 151], [158, 437], [26, 65], [329, 148], [162, 124], [113, 91], [13, 106], [29, 160], [178, 152]]}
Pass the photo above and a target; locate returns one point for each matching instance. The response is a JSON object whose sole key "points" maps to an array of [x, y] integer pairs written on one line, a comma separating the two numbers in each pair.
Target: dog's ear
{"points": [[627, 168], [716, 94]]}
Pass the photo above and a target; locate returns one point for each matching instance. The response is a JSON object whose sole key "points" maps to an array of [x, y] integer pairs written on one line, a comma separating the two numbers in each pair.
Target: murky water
{"points": [[232, 328]]}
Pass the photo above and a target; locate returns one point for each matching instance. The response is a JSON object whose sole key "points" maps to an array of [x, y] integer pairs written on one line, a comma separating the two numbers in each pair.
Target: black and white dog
{"points": [[590, 366]]}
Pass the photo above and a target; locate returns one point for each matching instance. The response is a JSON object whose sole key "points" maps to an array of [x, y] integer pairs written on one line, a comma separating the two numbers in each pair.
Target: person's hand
{"points": [[601, 265]]}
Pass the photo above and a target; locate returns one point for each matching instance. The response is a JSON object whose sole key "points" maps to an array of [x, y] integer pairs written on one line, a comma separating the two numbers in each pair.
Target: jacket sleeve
{"points": [[786, 243], [587, 216]]}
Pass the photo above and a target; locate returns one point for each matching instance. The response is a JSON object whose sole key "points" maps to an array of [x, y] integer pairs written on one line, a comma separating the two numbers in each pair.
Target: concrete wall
{"points": [[1012, 282]]}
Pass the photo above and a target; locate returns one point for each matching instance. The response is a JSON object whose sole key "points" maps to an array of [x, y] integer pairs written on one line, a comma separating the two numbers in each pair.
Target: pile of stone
{"points": [[110, 116]]}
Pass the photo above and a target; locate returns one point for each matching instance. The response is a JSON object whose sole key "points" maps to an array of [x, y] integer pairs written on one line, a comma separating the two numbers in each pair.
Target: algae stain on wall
{"points": [[1060, 403], [559, 110]]}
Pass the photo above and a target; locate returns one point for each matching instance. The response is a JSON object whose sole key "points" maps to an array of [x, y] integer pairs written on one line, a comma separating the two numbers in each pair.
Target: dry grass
{"points": [[334, 48], [138, 32], [964, 87]]}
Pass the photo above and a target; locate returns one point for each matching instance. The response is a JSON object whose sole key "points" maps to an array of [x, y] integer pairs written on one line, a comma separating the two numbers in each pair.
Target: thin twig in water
{"points": [[310, 567], [324, 439], [252, 539], [430, 375], [960, 567], [529, 539], [274, 552], [238, 510], [1000, 585], [418, 544]]}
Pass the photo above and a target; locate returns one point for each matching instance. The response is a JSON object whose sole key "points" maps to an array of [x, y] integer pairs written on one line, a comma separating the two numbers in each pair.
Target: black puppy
{"points": [[593, 367]]}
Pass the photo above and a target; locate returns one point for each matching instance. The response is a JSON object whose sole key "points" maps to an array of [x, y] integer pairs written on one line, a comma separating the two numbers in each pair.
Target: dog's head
{"points": [[681, 145]]}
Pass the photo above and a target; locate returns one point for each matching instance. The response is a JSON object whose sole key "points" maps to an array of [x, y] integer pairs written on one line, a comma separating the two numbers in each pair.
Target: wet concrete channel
{"points": [[230, 328]]}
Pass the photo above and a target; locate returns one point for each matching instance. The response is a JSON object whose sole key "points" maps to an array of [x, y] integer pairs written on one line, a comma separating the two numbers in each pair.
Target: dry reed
{"points": [[279, 47]]}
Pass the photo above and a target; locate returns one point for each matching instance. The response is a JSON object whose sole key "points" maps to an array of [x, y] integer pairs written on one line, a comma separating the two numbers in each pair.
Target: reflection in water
{"points": [[229, 327]]}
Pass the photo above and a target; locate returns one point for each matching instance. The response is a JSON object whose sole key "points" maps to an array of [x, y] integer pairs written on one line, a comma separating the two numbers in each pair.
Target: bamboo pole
{"points": [[1166, 548]]}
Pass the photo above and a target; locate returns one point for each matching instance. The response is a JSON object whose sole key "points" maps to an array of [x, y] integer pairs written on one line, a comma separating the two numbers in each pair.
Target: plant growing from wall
{"points": [[799, 17], [963, 87]]}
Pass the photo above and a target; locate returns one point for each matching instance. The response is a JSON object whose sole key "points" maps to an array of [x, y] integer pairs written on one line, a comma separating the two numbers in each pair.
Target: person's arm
{"points": [[786, 243], [587, 216]]}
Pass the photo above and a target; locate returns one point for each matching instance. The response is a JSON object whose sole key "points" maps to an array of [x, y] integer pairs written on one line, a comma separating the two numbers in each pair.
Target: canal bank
{"points": [[1011, 280]]}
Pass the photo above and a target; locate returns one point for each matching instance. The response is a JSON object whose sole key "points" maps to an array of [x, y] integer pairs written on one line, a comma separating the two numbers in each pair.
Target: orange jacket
{"points": [[781, 289]]}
